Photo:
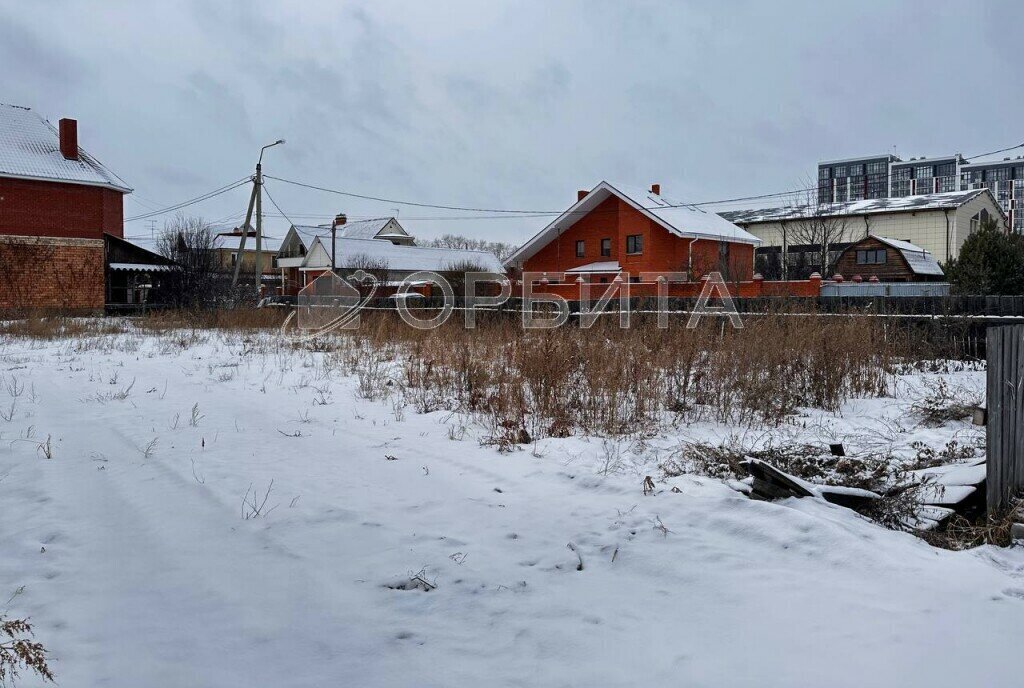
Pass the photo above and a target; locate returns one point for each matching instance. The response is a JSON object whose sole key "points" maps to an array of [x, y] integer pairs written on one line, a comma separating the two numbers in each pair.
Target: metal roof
{"points": [[30, 149], [937, 201], [397, 258], [678, 218], [921, 262]]}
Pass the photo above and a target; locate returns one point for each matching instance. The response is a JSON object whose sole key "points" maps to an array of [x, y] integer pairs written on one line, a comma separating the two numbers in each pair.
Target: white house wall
{"points": [[924, 228], [964, 213]]}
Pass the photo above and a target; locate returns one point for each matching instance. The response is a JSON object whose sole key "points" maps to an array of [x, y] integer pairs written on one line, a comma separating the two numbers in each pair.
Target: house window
{"points": [[606, 247], [871, 256], [604, 280], [634, 280], [580, 249], [234, 258], [634, 244]]}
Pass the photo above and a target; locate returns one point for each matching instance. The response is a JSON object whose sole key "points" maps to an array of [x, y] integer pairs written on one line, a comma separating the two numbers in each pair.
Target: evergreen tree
{"points": [[991, 263]]}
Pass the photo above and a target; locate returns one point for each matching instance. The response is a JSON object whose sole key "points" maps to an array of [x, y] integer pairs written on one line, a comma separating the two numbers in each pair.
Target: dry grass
{"points": [[57, 327], [606, 380], [214, 319], [963, 533]]}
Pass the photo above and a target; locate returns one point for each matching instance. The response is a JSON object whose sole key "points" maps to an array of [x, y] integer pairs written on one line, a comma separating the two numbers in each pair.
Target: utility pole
{"points": [[255, 202], [245, 231], [259, 228]]}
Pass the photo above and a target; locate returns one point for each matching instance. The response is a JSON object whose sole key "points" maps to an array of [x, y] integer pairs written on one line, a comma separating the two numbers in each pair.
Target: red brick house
{"points": [[57, 203], [614, 229]]}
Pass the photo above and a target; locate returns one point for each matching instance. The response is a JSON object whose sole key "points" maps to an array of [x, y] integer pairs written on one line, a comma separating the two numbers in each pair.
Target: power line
{"points": [[495, 213], [547, 213], [285, 216], [192, 201], [1001, 150], [392, 200]]}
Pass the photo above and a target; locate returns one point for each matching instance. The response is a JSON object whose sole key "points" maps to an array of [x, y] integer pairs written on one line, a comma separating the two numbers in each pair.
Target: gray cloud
{"points": [[512, 104]]}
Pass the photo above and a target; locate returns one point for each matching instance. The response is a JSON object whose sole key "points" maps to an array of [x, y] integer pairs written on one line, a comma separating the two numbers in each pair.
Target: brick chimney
{"points": [[581, 194], [656, 189], [69, 138], [340, 219]]}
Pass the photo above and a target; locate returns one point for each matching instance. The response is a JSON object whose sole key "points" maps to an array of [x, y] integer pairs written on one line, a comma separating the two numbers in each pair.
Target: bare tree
{"points": [[376, 266], [455, 273], [190, 243], [499, 248], [819, 228]]}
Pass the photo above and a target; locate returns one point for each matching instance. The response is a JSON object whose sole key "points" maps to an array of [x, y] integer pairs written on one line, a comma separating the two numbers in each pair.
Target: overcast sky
{"points": [[507, 105]]}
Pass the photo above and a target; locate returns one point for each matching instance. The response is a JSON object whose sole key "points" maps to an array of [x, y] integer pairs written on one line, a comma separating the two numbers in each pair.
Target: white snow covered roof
{"points": [[404, 258], [233, 241], [937, 201], [602, 266], [363, 229], [148, 267], [921, 262], [307, 234], [30, 149], [360, 229], [678, 218]]}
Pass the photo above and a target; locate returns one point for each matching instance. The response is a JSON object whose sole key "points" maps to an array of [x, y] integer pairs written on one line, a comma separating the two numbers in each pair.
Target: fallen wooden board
{"points": [[771, 483]]}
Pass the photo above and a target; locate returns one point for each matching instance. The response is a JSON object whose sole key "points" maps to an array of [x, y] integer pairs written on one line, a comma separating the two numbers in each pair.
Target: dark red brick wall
{"points": [[51, 274], [37, 208]]}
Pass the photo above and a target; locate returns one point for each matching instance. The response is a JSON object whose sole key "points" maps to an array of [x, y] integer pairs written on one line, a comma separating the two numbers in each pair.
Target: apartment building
{"points": [[888, 176]]}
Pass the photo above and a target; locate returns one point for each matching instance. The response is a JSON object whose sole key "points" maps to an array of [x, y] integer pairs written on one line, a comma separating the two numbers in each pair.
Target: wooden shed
{"points": [[887, 260]]}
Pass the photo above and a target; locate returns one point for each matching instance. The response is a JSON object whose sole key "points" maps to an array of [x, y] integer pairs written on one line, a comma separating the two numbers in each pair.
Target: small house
{"points": [[887, 260]]}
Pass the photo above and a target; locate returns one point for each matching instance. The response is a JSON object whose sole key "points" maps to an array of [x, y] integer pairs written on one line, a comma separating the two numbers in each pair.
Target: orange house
{"points": [[612, 230]]}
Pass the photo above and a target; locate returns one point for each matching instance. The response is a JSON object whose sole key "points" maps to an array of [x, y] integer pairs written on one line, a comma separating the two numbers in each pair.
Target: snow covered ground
{"points": [[395, 550]]}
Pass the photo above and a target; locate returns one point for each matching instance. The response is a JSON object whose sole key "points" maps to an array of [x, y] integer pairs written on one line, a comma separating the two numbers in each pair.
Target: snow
{"points": [[601, 266], [234, 241], [920, 261], [142, 571], [30, 149], [682, 220], [353, 252], [151, 267], [935, 201]]}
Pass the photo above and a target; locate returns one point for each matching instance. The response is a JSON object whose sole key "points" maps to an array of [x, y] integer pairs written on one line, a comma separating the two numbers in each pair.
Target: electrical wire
{"points": [[506, 212], [192, 201], [494, 213]]}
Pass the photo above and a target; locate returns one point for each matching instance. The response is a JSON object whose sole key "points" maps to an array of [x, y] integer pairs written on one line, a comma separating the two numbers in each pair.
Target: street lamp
{"points": [[269, 145], [259, 218]]}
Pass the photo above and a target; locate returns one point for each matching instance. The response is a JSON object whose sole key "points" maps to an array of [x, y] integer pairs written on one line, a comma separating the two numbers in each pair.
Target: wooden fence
{"points": [[1005, 426]]}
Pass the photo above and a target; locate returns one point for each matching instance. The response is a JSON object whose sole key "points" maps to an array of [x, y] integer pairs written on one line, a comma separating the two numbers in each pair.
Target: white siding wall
{"points": [[925, 228], [968, 210]]}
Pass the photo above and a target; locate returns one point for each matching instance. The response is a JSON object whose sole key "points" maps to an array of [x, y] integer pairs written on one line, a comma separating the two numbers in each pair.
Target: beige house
{"points": [[938, 223], [228, 247]]}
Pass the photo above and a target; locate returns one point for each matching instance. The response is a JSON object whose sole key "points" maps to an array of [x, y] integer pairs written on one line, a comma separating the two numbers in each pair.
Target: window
{"points": [[871, 256], [635, 243], [634, 280], [234, 258], [606, 247], [824, 173], [580, 252], [604, 280], [901, 181]]}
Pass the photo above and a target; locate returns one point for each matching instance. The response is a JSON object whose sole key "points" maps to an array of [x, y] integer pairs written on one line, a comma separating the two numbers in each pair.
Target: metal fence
{"points": [[895, 289]]}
